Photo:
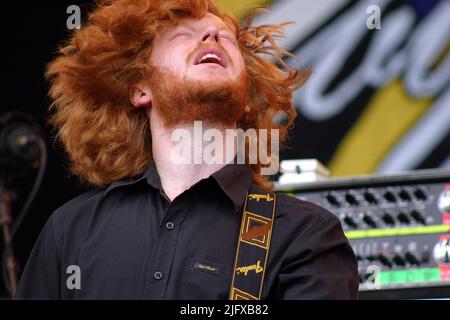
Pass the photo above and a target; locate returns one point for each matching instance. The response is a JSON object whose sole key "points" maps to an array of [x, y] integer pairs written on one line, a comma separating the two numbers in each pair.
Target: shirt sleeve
{"points": [[41, 276], [320, 264]]}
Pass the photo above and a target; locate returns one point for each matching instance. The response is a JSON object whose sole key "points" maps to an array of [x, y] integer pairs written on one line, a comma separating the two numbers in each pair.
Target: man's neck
{"points": [[180, 170]]}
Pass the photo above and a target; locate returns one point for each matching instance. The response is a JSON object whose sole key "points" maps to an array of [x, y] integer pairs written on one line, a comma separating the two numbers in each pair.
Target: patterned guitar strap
{"points": [[253, 246]]}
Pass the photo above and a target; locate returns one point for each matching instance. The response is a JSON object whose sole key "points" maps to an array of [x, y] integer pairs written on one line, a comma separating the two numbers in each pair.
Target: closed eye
{"points": [[228, 37], [180, 35]]}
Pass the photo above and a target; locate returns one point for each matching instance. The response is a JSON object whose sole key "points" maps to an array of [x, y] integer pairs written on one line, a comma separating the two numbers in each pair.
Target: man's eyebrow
{"points": [[179, 27]]}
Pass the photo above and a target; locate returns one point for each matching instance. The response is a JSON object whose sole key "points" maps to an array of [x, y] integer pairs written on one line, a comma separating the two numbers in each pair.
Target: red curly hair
{"points": [[107, 139]]}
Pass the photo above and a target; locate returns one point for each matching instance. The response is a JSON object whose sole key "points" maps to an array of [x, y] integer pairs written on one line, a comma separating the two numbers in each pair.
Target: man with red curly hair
{"points": [[155, 228]]}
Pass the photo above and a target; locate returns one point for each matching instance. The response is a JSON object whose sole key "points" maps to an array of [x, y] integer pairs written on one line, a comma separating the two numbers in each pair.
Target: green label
{"points": [[408, 276]]}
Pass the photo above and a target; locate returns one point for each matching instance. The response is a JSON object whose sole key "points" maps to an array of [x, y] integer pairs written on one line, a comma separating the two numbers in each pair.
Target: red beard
{"points": [[185, 101]]}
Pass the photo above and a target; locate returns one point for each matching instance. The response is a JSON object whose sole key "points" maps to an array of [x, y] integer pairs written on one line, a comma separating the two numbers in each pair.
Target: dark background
{"points": [[31, 32]]}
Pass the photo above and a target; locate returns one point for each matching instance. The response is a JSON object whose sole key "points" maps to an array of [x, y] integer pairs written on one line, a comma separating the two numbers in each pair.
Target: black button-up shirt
{"points": [[131, 242]]}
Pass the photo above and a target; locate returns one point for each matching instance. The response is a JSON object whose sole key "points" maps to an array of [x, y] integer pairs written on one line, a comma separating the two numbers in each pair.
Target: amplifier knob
{"points": [[405, 196], [418, 216], [332, 199], [351, 199], [350, 222], [369, 221], [389, 196], [398, 260], [370, 197], [387, 218], [441, 252], [403, 218], [412, 258], [420, 194], [384, 260]]}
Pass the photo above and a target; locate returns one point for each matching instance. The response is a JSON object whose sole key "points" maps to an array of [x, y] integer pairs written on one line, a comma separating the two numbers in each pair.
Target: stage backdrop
{"points": [[379, 96]]}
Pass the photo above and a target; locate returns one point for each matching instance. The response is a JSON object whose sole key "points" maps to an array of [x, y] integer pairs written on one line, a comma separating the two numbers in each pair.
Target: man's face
{"points": [[198, 73], [199, 49]]}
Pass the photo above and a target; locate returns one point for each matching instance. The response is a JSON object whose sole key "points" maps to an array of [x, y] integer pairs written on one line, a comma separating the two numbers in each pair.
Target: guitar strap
{"points": [[253, 246]]}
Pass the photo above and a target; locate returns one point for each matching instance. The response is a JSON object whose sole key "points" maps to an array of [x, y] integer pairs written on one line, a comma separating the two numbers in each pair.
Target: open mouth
{"points": [[213, 56]]}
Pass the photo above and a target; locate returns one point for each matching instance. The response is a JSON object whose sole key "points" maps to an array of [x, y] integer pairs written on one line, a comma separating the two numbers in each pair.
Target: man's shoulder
{"points": [[77, 209], [298, 208], [288, 204], [304, 216]]}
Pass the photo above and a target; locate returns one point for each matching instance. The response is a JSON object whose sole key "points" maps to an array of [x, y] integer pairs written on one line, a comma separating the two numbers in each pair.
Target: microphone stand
{"points": [[6, 223], [21, 138]]}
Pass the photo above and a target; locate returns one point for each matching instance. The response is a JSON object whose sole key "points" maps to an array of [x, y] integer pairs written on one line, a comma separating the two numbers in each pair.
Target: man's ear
{"points": [[141, 95]]}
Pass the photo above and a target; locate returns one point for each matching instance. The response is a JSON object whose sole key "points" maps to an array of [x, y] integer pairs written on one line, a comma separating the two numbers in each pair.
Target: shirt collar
{"points": [[121, 183], [234, 180]]}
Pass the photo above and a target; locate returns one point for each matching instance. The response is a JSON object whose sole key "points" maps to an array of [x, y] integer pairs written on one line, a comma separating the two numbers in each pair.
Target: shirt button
{"points": [[170, 225], [158, 275]]}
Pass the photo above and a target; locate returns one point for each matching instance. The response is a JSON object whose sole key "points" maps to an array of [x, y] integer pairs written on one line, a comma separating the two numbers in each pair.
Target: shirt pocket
{"points": [[208, 280]]}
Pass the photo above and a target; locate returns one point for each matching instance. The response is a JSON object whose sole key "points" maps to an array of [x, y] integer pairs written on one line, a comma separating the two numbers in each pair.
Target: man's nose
{"points": [[211, 34]]}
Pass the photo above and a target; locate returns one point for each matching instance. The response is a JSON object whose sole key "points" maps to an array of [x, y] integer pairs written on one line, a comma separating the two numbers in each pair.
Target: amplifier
{"points": [[398, 226]]}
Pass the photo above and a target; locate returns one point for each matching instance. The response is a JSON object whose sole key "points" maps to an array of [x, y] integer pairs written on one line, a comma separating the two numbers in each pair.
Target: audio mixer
{"points": [[398, 226]]}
